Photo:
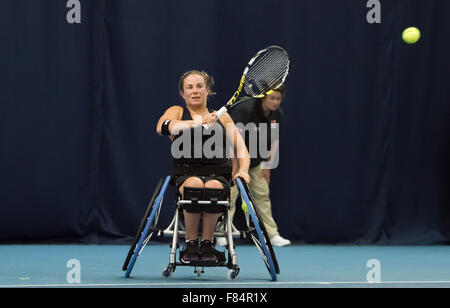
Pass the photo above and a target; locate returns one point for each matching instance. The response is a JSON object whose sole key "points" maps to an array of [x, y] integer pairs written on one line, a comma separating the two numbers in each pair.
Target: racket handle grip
{"points": [[221, 111], [219, 114]]}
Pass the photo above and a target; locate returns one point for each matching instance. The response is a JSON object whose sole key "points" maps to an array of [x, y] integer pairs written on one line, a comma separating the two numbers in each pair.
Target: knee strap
{"points": [[196, 194], [193, 194], [214, 195]]}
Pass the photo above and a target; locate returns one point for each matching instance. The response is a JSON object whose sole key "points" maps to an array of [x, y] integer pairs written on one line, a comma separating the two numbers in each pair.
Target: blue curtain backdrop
{"points": [[365, 149]]}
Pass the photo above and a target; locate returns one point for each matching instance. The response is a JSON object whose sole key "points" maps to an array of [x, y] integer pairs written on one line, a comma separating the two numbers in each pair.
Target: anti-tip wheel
{"points": [[199, 271]]}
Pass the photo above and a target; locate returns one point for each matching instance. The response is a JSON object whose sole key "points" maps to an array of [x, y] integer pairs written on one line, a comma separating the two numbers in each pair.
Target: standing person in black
{"points": [[194, 168], [259, 120]]}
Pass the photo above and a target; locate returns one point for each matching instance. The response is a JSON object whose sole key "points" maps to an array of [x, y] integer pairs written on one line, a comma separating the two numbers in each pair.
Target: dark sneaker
{"points": [[190, 252], [207, 251]]}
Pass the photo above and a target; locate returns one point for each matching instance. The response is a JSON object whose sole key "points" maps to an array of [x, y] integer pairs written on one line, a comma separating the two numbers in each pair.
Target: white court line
{"points": [[268, 284]]}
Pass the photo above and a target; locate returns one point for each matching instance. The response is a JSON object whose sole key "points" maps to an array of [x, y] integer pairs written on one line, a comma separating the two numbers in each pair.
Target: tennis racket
{"points": [[264, 73]]}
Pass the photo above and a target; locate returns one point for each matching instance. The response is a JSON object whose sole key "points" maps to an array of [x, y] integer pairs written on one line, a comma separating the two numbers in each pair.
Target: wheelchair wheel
{"points": [[169, 270], [199, 271], [258, 232], [267, 239], [147, 226], [232, 273]]}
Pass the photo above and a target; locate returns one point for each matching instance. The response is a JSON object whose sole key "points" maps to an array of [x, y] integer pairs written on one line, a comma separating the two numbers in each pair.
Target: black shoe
{"points": [[190, 252], [208, 253]]}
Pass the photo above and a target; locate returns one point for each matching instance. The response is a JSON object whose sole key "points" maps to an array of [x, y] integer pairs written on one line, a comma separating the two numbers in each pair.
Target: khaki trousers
{"points": [[260, 191]]}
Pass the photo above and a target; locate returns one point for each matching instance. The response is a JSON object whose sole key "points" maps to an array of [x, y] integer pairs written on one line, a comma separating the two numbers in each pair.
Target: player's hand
{"points": [[243, 174], [265, 173], [210, 118]]}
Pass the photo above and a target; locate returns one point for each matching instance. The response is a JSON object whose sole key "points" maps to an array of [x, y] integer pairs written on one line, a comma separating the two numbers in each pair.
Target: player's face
{"points": [[272, 101], [194, 91]]}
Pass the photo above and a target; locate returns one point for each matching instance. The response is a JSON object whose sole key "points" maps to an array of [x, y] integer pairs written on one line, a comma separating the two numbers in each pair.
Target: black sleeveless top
{"points": [[207, 154]]}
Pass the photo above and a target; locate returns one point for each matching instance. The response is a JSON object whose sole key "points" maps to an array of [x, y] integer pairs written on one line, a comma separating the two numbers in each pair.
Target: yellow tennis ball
{"points": [[411, 35], [244, 206]]}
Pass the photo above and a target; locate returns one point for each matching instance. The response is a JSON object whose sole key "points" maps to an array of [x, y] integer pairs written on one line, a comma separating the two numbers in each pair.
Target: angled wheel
{"points": [[264, 231], [142, 225], [147, 226], [258, 232]]}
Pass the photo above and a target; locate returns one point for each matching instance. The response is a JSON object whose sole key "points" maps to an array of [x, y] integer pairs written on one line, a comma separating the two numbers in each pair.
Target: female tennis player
{"points": [[202, 171]]}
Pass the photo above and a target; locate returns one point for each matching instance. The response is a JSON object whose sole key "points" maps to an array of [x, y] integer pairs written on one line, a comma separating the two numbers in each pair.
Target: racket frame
{"points": [[235, 96]]}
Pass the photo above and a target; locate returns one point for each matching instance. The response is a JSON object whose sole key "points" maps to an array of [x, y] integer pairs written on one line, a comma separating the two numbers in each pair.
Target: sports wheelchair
{"points": [[225, 228]]}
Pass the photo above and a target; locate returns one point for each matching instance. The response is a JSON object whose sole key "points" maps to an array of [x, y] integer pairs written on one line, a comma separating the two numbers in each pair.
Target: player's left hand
{"points": [[265, 173]]}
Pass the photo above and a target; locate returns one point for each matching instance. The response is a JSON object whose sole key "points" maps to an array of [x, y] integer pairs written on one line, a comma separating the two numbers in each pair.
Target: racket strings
{"points": [[267, 72]]}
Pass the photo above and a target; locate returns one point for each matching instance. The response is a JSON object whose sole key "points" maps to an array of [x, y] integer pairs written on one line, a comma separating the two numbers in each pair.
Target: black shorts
{"points": [[179, 180]]}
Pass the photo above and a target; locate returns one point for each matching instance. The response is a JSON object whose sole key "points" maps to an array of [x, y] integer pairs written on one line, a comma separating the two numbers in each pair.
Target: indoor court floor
{"points": [[300, 266]]}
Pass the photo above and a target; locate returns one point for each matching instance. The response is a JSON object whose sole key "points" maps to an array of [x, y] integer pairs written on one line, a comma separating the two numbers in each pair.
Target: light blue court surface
{"points": [[301, 266]]}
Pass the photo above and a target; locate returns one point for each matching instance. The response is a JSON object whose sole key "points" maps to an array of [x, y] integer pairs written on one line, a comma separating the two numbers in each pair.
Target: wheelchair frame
{"points": [[175, 230], [255, 230]]}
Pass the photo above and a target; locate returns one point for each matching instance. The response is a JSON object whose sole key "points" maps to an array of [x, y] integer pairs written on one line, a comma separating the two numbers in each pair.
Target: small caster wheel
{"points": [[232, 273], [169, 271]]}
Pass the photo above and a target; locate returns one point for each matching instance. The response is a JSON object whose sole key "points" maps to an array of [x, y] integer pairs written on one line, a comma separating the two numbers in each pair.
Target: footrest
{"points": [[200, 263]]}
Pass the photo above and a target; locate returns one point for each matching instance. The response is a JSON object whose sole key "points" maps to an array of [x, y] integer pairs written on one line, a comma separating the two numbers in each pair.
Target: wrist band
{"points": [[165, 128]]}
